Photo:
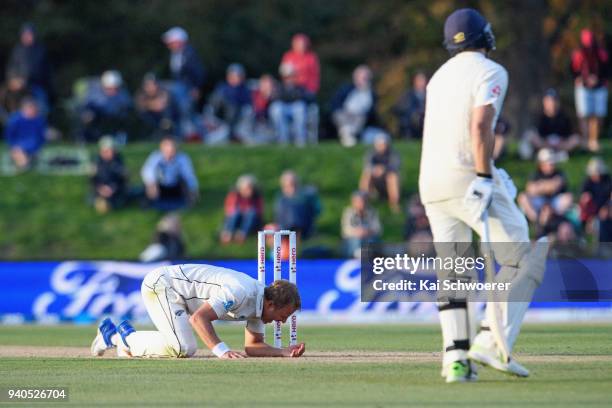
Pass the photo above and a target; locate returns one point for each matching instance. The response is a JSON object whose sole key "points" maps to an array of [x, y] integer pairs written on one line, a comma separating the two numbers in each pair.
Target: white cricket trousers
{"points": [[451, 223], [168, 312]]}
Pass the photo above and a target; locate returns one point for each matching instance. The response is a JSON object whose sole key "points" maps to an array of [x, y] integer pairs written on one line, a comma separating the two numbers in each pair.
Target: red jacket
{"points": [[306, 68], [234, 202]]}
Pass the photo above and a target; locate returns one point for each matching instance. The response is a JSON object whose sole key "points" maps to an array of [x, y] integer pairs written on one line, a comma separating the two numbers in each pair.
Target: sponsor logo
{"points": [[228, 305], [178, 313]]}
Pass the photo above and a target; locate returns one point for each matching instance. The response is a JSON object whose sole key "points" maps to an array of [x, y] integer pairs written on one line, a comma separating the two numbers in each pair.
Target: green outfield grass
{"points": [[47, 217], [570, 365]]}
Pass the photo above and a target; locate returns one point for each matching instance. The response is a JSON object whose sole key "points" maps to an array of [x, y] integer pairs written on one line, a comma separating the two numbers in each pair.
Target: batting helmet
{"points": [[467, 28]]}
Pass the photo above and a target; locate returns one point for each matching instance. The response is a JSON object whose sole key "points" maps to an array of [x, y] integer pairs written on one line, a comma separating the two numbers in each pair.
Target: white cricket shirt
{"points": [[233, 295], [465, 81]]}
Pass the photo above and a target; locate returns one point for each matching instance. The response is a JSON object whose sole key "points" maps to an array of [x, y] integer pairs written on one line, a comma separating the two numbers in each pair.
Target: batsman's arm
{"points": [[254, 346], [201, 321], [482, 137]]}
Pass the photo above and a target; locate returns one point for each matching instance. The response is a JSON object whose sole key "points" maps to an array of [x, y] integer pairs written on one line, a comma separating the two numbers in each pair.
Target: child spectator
{"points": [[590, 65], [109, 181], [381, 171], [168, 243], [12, 94], [410, 108], [169, 177], [605, 225], [154, 104], [354, 106], [305, 63], [554, 129], [25, 134], [107, 107], [596, 190], [296, 207], [360, 225], [289, 108], [231, 103], [417, 231], [262, 96], [547, 185], [243, 210]]}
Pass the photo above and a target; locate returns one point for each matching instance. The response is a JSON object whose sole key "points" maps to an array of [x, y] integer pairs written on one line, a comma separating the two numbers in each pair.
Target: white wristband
{"points": [[220, 349]]}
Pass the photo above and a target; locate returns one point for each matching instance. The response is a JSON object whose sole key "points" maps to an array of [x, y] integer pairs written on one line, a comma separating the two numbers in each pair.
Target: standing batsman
{"points": [[461, 188], [184, 298]]}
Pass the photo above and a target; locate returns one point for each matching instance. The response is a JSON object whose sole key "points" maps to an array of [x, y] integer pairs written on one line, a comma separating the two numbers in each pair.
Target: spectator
{"points": [[596, 190], [410, 109], [263, 130], [168, 243], [12, 94], [605, 226], [590, 64], [107, 107], [380, 174], [296, 207], [500, 133], [29, 57], [289, 108], [546, 185], [554, 129], [186, 69], [360, 225], [169, 178], [243, 210], [154, 104], [231, 103], [109, 181], [354, 106], [25, 133], [305, 62], [417, 231]]}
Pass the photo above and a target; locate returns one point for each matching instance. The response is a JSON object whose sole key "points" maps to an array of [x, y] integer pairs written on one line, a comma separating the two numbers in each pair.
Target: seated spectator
{"points": [[12, 94], [305, 63], [168, 243], [417, 231], [500, 132], [169, 178], [410, 108], [289, 108], [25, 134], [380, 174], [243, 210], [262, 96], [554, 130], [106, 109], [296, 207], [154, 105], [360, 225], [596, 190], [354, 106], [231, 103], [547, 185], [605, 225], [109, 181]]}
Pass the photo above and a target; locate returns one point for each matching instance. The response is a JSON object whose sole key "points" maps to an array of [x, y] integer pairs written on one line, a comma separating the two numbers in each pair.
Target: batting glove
{"points": [[478, 196]]}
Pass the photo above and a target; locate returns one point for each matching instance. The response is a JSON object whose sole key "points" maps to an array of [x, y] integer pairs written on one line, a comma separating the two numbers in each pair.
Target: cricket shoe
{"points": [[460, 371], [124, 329], [103, 339], [494, 359]]}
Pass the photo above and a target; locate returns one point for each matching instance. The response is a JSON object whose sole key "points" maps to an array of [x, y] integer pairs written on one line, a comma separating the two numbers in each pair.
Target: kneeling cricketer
{"points": [[183, 298]]}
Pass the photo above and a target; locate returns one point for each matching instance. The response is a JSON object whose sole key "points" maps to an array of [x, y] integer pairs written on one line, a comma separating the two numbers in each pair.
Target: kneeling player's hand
{"points": [[295, 351], [232, 354]]}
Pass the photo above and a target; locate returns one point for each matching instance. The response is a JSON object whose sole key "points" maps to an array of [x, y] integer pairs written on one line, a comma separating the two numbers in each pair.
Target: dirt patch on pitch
{"points": [[311, 356]]}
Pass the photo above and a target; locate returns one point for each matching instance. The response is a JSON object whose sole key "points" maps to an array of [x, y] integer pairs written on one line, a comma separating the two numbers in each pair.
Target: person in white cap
{"points": [[106, 107], [186, 69]]}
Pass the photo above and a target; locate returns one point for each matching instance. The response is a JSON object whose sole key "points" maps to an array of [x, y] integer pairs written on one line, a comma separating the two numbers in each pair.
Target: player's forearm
{"points": [[262, 350], [205, 330], [483, 140]]}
